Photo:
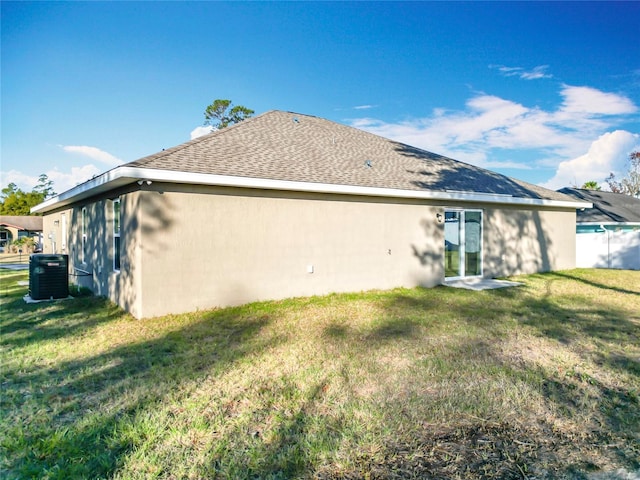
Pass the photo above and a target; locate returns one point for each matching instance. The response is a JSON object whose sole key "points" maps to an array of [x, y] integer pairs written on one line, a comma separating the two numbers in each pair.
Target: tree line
{"points": [[15, 201]]}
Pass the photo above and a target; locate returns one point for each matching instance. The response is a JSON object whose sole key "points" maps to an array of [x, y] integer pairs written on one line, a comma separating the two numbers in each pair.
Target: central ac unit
{"points": [[48, 276]]}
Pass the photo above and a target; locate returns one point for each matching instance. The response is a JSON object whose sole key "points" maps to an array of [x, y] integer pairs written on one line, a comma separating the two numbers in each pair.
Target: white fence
{"points": [[608, 250]]}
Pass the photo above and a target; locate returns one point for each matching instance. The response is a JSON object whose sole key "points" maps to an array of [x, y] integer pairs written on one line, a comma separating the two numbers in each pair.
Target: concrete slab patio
{"points": [[481, 283]]}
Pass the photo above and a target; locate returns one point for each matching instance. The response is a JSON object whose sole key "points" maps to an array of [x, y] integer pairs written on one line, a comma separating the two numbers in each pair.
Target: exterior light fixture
{"points": [[439, 217]]}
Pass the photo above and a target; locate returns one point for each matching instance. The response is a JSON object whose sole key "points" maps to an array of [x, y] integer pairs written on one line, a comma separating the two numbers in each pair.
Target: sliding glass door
{"points": [[462, 243]]}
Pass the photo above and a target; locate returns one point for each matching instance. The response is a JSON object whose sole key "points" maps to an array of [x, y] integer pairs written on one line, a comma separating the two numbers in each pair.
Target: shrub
{"points": [[26, 244]]}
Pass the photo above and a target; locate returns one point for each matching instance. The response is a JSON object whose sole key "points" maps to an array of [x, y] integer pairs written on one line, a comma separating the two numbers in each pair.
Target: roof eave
{"points": [[11, 225], [124, 175], [110, 180]]}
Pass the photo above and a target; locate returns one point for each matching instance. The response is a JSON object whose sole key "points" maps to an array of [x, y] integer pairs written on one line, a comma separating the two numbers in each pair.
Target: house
{"points": [[611, 211], [285, 204], [608, 235], [15, 227]]}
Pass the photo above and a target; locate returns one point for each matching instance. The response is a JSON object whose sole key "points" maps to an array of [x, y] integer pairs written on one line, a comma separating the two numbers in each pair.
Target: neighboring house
{"points": [[284, 205], [608, 235], [14, 227]]}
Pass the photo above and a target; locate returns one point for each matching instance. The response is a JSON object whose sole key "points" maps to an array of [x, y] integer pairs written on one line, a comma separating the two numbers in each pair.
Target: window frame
{"points": [[84, 225], [462, 238], [116, 226], [63, 232]]}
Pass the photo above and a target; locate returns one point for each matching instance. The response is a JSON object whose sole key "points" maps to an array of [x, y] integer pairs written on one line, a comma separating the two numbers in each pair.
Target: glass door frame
{"points": [[462, 243]]}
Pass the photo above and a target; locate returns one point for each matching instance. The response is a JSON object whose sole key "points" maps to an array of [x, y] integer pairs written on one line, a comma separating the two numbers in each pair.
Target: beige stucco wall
{"points": [[52, 236], [518, 241], [219, 247], [204, 247], [187, 247], [96, 270]]}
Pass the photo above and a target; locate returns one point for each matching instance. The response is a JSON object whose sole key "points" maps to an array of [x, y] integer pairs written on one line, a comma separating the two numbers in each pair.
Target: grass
{"points": [[538, 381]]}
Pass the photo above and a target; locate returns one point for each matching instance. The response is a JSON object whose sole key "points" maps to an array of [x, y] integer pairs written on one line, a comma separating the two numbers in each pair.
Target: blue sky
{"points": [[545, 92]]}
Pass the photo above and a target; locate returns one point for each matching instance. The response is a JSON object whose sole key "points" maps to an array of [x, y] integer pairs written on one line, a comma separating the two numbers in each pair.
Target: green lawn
{"points": [[538, 381]]}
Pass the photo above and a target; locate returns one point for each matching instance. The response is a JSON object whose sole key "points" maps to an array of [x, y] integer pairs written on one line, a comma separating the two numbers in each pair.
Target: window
{"points": [[116, 235], [5, 237], [85, 221]]}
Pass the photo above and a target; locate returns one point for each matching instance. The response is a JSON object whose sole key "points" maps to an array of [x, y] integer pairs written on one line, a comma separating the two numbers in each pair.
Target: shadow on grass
{"points": [[380, 332], [584, 320], [25, 323], [593, 283], [408, 314], [22, 323], [283, 454], [84, 406], [578, 321], [609, 328], [90, 403]]}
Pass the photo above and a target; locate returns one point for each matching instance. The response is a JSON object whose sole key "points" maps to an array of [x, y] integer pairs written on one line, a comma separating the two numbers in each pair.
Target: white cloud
{"points": [[364, 107], [490, 125], [62, 181], [200, 131], [607, 154], [93, 153], [590, 101], [535, 73], [22, 180]]}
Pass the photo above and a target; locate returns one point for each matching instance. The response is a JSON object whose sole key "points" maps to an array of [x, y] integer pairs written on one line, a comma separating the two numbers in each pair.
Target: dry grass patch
{"points": [[540, 381]]}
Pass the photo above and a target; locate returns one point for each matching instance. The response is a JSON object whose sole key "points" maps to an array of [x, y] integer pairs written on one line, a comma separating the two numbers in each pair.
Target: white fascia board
{"points": [[114, 178], [124, 175], [269, 184]]}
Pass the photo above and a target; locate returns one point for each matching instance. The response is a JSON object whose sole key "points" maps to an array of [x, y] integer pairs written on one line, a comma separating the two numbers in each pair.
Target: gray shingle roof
{"points": [[31, 223], [608, 207], [289, 146]]}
